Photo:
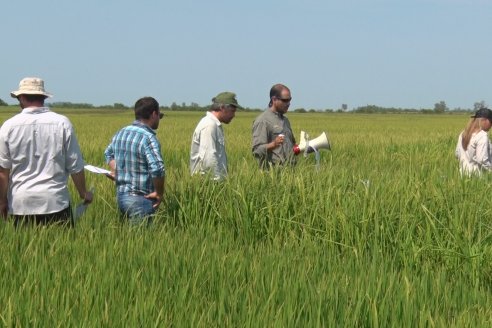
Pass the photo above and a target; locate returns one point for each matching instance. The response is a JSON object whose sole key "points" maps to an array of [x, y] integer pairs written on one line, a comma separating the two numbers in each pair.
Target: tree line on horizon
{"points": [[439, 108]]}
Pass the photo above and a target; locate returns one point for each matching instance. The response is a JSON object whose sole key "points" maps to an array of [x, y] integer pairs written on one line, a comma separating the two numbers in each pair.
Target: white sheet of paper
{"points": [[95, 169]]}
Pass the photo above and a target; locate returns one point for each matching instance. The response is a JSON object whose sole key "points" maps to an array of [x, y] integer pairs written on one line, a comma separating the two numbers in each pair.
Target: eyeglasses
{"points": [[161, 115], [285, 100]]}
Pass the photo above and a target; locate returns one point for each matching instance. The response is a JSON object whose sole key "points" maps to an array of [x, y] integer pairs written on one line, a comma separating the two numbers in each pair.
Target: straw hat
{"points": [[31, 86]]}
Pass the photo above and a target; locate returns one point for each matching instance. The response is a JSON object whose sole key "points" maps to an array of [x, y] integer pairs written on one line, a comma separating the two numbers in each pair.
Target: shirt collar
{"points": [[280, 115], [214, 118], [143, 126], [35, 110]]}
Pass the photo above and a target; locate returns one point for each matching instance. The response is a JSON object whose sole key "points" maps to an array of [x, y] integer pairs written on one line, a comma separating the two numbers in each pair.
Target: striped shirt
{"points": [[137, 154]]}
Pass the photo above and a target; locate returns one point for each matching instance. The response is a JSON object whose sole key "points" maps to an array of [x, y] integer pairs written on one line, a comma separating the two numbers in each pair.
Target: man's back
{"points": [[134, 156], [40, 149], [138, 158]]}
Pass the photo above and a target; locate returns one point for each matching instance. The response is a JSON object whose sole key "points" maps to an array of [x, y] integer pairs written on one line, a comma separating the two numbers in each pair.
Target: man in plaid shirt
{"points": [[134, 156]]}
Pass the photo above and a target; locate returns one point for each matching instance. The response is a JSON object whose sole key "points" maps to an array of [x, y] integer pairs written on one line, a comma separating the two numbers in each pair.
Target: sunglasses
{"points": [[285, 100], [161, 115]]}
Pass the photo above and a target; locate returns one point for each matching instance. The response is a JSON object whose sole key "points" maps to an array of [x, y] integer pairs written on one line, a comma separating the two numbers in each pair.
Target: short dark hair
{"points": [[215, 107], [144, 107], [31, 98], [276, 91]]}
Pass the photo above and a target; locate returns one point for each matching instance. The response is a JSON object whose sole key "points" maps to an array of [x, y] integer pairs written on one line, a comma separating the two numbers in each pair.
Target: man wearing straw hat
{"points": [[38, 151]]}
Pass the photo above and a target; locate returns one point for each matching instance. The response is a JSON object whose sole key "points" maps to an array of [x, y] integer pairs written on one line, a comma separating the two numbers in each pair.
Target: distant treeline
{"points": [[439, 108]]}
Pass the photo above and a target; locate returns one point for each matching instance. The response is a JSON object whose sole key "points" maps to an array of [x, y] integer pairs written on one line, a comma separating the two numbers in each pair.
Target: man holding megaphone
{"points": [[307, 146], [273, 140]]}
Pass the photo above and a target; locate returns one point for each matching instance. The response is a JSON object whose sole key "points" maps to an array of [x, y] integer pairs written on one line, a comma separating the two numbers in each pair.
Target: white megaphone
{"points": [[308, 146]]}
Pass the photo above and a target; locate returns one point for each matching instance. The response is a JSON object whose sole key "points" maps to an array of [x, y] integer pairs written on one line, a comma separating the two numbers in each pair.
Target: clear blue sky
{"points": [[391, 53]]}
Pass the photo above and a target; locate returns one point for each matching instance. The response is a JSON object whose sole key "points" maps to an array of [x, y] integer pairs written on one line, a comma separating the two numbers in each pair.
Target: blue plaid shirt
{"points": [[137, 154]]}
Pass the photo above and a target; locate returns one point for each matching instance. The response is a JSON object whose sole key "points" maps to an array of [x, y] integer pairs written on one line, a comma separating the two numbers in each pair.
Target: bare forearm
{"points": [[79, 181], [271, 146], [159, 185], [4, 183], [279, 140], [112, 165], [4, 187]]}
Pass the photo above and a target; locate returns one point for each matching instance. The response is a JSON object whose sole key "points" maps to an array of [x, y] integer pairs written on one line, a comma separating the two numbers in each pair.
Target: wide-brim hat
{"points": [[226, 98], [31, 86]]}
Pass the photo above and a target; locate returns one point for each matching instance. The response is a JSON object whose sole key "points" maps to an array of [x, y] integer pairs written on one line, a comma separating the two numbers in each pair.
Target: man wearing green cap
{"points": [[208, 155]]}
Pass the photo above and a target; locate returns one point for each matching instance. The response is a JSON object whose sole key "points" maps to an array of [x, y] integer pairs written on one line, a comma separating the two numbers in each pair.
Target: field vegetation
{"points": [[383, 232]]}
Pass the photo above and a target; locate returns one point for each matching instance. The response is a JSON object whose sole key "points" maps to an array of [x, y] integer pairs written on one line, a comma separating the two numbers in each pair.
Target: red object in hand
{"points": [[296, 149]]}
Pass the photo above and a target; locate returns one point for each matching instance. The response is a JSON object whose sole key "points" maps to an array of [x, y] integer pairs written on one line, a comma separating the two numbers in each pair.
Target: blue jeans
{"points": [[136, 208]]}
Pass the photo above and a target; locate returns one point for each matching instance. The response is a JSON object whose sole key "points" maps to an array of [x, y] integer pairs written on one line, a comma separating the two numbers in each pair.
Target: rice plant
{"points": [[383, 232]]}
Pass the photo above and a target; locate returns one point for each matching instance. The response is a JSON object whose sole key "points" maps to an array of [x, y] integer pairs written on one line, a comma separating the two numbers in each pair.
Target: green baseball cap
{"points": [[226, 98]]}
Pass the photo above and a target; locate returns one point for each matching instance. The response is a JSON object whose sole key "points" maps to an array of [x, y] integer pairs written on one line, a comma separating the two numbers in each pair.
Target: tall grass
{"points": [[383, 233]]}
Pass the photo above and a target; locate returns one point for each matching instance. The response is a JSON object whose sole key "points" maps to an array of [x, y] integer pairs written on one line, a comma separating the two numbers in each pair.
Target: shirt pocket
{"points": [[276, 130]]}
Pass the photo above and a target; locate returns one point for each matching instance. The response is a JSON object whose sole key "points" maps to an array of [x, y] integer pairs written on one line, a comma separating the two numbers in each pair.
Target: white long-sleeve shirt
{"points": [[476, 158], [208, 153]]}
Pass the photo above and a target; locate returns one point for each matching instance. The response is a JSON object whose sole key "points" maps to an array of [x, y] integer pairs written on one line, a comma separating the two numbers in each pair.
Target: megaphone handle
{"points": [[307, 147], [317, 157]]}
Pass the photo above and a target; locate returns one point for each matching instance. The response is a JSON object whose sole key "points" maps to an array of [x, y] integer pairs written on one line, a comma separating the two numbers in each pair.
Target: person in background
{"points": [[208, 154], [134, 156], [38, 151], [473, 148], [273, 140]]}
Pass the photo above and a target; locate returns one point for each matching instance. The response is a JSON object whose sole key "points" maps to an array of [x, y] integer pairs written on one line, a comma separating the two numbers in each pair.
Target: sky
{"points": [[389, 53]]}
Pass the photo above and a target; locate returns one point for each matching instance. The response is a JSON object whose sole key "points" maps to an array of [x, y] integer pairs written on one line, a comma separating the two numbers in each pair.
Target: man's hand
{"points": [[156, 198], [279, 140], [87, 197], [111, 176]]}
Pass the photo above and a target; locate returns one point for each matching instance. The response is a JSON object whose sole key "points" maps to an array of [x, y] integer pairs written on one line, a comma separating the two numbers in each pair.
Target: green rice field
{"points": [[382, 233]]}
